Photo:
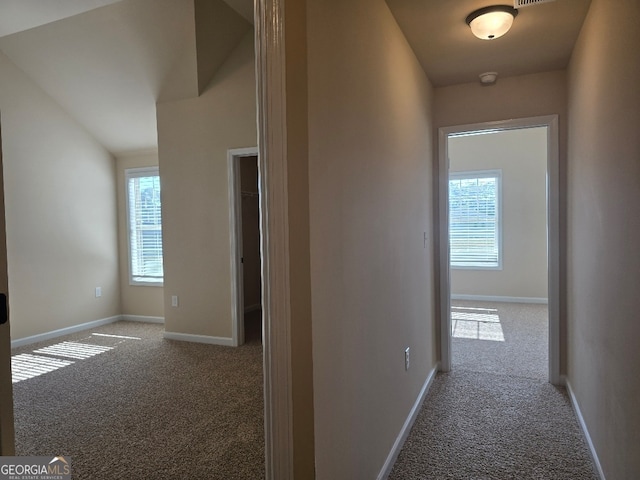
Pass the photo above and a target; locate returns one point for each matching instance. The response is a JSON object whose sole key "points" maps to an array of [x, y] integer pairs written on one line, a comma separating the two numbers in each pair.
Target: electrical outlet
{"points": [[406, 359], [174, 300], [98, 292]]}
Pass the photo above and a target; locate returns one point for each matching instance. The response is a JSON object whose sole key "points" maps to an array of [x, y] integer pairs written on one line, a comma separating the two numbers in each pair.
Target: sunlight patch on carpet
{"points": [[476, 323], [76, 350], [27, 366], [115, 336]]}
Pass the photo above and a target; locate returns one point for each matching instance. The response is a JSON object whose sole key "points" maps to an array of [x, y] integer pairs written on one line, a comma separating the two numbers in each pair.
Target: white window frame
{"points": [[128, 175], [497, 173]]}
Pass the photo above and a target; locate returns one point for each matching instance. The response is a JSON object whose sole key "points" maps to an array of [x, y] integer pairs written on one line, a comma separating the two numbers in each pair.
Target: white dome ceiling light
{"points": [[492, 22]]}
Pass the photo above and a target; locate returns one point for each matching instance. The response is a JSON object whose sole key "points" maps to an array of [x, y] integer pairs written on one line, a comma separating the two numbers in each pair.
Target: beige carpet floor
{"points": [[135, 406], [502, 338], [495, 416]]}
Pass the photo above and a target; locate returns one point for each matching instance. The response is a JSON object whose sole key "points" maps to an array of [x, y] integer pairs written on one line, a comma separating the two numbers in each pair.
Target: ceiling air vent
{"points": [[528, 3]]}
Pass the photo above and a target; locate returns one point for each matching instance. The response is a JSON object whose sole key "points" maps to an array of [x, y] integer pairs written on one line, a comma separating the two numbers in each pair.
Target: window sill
{"points": [[133, 283], [476, 267]]}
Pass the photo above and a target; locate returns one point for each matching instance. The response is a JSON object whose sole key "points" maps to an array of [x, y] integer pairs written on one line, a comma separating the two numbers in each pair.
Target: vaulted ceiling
{"points": [[19, 15], [108, 62]]}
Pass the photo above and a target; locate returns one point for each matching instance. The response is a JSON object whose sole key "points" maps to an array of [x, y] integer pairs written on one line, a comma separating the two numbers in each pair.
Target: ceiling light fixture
{"points": [[491, 22]]}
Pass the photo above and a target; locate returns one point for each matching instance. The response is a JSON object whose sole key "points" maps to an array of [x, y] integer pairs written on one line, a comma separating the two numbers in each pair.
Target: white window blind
{"points": [[474, 219], [145, 225]]}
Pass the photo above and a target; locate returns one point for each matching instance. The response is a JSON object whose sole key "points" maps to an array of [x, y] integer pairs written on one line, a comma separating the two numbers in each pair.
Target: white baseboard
{"points": [[41, 337], [252, 308], [406, 428], [493, 298], [142, 318], [188, 337], [585, 431]]}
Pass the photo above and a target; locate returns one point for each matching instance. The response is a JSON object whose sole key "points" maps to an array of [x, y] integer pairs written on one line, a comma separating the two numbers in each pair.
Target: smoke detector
{"points": [[488, 78]]}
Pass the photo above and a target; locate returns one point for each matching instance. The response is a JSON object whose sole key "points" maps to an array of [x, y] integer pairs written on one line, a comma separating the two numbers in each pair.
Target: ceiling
{"points": [[541, 39], [243, 7], [107, 62], [19, 15], [106, 66]]}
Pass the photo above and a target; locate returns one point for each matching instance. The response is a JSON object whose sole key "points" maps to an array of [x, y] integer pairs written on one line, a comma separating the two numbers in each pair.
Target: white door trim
{"points": [[7, 431], [272, 165], [235, 221], [553, 232]]}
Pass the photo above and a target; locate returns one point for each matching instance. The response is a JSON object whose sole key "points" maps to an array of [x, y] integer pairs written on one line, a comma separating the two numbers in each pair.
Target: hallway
{"points": [[495, 416]]}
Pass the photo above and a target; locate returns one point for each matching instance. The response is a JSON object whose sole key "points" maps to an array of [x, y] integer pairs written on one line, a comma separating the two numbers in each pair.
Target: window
{"points": [[474, 219], [144, 222]]}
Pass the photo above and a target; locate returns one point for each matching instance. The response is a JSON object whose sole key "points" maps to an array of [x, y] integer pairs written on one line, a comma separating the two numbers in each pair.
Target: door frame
{"points": [[274, 224], [272, 166], [7, 438], [234, 156], [553, 232]]}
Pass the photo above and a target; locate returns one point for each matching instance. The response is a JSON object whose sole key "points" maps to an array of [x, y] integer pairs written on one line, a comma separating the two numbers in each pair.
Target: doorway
{"points": [[479, 262], [246, 262]]}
